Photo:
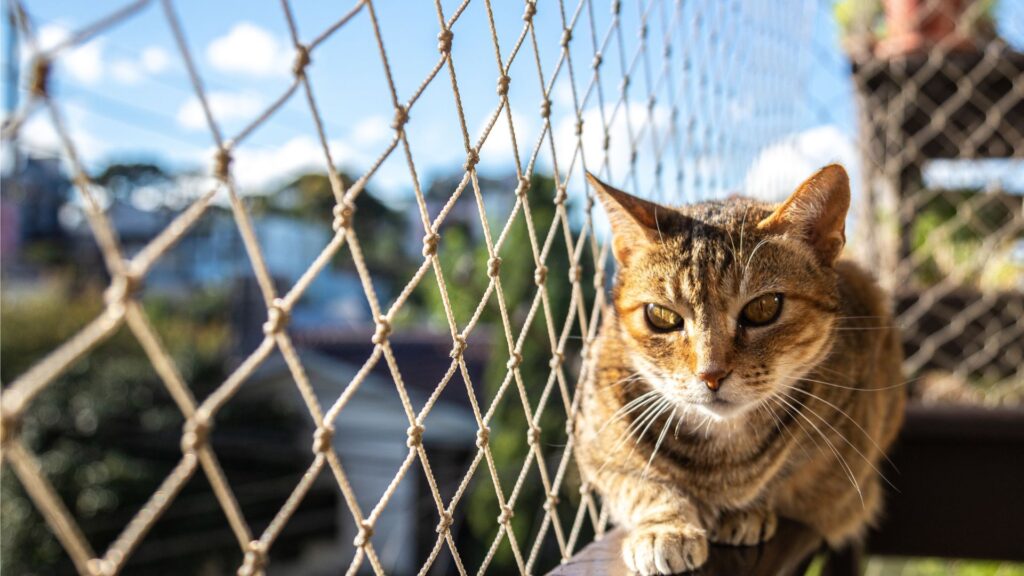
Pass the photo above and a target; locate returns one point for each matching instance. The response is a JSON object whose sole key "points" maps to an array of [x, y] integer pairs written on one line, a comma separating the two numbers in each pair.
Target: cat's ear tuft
{"points": [[816, 212], [634, 221]]}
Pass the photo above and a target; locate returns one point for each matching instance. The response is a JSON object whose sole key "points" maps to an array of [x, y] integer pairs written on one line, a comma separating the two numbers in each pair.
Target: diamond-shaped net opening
{"points": [[671, 100]]}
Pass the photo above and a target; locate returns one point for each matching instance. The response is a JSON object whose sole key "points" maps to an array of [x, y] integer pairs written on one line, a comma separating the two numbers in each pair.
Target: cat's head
{"points": [[721, 304]]}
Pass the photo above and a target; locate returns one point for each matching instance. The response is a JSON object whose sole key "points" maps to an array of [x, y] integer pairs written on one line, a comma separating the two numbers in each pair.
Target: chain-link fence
{"points": [[672, 100], [942, 112]]}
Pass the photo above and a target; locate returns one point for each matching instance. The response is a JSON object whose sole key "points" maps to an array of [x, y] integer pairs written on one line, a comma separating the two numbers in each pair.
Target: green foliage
{"points": [[78, 424], [950, 230]]}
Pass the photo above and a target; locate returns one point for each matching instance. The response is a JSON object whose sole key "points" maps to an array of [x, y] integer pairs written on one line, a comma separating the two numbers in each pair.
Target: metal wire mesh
{"points": [[673, 100]]}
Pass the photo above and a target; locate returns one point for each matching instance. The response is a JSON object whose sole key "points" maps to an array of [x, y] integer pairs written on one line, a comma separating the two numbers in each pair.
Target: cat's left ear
{"points": [[634, 221], [816, 213]]}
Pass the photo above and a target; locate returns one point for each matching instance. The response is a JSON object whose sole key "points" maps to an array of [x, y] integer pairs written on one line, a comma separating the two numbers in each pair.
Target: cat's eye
{"points": [[762, 310], [662, 319]]}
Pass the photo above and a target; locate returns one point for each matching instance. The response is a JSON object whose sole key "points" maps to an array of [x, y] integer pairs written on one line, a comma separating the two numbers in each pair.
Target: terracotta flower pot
{"points": [[914, 25]]}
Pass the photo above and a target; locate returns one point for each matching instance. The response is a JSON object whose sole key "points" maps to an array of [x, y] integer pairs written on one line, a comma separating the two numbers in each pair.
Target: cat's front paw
{"points": [[665, 548], [744, 528]]}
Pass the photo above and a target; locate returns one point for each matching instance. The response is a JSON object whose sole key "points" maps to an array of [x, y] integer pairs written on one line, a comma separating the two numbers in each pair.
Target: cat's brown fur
{"points": [[811, 401]]}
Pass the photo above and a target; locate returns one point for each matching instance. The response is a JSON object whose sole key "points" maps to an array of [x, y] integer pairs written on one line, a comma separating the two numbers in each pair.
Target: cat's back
{"points": [[868, 346]]}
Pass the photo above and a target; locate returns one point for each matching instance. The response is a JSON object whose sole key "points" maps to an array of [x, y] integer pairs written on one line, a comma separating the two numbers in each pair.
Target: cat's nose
{"points": [[713, 378]]}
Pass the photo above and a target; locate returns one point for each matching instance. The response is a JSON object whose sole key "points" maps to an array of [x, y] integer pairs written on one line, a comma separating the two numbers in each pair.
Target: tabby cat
{"points": [[744, 371]]}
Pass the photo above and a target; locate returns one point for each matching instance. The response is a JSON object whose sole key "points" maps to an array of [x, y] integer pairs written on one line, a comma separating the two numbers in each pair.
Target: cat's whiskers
{"points": [[763, 405], [844, 438], [855, 388], [651, 412], [839, 457], [848, 417], [634, 405], [791, 413], [749, 259], [657, 445]]}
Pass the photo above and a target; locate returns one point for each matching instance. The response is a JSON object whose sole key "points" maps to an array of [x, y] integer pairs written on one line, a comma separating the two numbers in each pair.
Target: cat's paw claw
{"points": [[664, 549], [744, 528]]}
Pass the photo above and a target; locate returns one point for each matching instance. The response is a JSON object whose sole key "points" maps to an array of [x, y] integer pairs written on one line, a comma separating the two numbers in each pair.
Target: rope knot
{"points": [[514, 361], [322, 438], [365, 533], [624, 86], [39, 84], [566, 37], [221, 164], [607, 141], [196, 434], [122, 288], [551, 503], [585, 488], [557, 357], [430, 244], [561, 196], [444, 41], [342, 215], [277, 317], [445, 523], [10, 427], [483, 436], [458, 347], [540, 275], [616, 7], [100, 567], [569, 427], [383, 330], [494, 266], [531, 10], [472, 157], [532, 435], [579, 127], [545, 108], [575, 274], [401, 117], [415, 436], [522, 187], [506, 515], [255, 559], [597, 61], [503, 83], [301, 60]]}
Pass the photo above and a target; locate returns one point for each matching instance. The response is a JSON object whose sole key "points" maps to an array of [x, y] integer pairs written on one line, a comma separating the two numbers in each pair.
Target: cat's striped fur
{"points": [[807, 405]]}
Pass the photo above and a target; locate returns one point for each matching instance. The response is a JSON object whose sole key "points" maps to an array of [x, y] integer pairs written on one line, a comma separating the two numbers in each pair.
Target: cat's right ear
{"points": [[634, 221]]}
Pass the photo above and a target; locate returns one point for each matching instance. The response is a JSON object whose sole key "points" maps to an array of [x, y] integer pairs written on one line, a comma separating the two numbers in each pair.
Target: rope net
{"points": [[669, 99]]}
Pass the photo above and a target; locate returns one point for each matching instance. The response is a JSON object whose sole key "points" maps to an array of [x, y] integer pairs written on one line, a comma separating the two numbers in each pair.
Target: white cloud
{"points": [[619, 151], [260, 168], [372, 131], [125, 72], [250, 50], [497, 149], [782, 166], [226, 107], [39, 136], [83, 63], [155, 60], [152, 61]]}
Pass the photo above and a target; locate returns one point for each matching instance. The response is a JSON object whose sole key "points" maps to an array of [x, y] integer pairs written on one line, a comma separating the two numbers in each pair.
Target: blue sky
{"points": [[127, 96]]}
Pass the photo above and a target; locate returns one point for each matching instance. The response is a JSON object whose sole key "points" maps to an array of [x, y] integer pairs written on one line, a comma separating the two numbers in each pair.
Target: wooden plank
{"points": [[787, 553]]}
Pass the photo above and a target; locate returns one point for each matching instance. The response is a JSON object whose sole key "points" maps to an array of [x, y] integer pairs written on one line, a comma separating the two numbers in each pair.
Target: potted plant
{"points": [[887, 28]]}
